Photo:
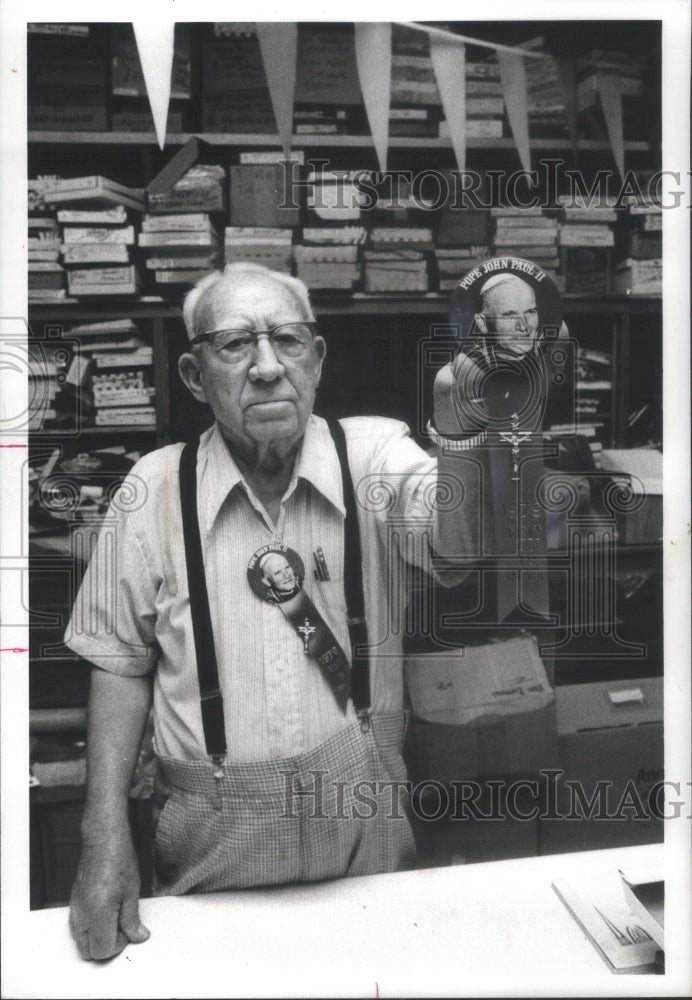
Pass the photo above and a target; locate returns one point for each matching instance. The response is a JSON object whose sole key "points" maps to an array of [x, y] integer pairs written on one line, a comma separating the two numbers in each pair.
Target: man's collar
{"points": [[317, 462]]}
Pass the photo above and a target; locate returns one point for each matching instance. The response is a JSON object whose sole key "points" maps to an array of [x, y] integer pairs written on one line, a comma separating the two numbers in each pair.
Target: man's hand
{"points": [[459, 408], [104, 911]]}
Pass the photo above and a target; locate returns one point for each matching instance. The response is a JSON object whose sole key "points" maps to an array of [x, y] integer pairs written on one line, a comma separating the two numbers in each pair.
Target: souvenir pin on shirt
{"points": [[276, 573]]}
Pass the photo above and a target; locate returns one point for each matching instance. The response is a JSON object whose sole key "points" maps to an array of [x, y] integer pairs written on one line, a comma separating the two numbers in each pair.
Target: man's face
{"points": [[278, 573], [511, 316], [266, 399]]}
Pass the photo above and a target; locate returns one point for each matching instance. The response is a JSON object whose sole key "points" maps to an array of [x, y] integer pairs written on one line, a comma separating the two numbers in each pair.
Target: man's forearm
{"points": [[118, 709], [459, 524]]}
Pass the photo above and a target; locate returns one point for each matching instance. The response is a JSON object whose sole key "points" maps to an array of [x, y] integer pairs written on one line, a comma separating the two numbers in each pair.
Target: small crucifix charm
{"points": [[515, 439], [306, 631]]}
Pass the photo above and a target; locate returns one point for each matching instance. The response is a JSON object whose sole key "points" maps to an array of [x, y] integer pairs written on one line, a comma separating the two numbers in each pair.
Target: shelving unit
{"points": [[303, 141]]}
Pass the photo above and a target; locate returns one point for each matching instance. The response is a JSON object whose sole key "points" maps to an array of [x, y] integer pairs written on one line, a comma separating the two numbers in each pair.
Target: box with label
{"points": [[610, 737], [480, 711], [640, 471]]}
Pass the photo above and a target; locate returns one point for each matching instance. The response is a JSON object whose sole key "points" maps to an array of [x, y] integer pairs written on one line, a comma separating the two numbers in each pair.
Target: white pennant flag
{"points": [[155, 42], [374, 60], [279, 46], [513, 77], [610, 89], [449, 63]]}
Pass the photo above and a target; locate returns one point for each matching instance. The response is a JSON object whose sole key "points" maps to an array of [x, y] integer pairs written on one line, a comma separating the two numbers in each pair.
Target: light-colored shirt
{"points": [[132, 613]]}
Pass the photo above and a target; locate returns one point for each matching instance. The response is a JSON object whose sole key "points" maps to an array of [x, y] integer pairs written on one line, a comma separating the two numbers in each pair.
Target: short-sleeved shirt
{"points": [[132, 613]]}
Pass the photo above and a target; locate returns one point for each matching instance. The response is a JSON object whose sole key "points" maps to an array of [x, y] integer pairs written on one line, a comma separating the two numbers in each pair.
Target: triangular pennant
{"points": [[567, 71], [155, 43], [610, 89], [513, 78], [279, 47], [449, 63], [374, 60]]}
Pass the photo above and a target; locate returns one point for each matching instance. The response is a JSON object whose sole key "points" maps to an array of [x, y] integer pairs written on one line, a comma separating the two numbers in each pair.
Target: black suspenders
{"points": [[207, 667]]}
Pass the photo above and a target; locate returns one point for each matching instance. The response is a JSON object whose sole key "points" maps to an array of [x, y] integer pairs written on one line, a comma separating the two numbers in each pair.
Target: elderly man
{"points": [[262, 735]]}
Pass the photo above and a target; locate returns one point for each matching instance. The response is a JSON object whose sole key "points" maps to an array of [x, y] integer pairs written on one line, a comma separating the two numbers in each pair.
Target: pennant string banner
{"points": [[279, 47], [450, 36], [513, 78], [373, 42], [449, 64], [611, 99], [155, 42], [567, 71]]}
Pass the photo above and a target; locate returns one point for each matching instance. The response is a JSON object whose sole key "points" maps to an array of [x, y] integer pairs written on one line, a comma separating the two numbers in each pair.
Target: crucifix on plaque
{"points": [[306, 631], [515, 438]]}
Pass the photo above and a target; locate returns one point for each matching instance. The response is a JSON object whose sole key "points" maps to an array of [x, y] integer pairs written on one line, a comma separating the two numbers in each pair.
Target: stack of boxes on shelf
{"points": [[67, 83], [485, 104], [528, 233], [262, 221], [179, 237], [235, 96], [117, 362], [640, 271], [585, 239], [328, 256], [462, 241], [545, 93], [97, 226], [46, 274], [415, 105], [333, 263], [327, 94], [398, 261]]}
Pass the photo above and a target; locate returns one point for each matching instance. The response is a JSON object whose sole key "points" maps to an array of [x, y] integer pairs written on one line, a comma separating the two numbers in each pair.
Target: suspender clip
{"points": [[218, 760], [364, 716]]}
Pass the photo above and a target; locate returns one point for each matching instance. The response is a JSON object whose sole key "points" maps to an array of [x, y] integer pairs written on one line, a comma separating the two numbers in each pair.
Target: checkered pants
{"points": [[337, 810]]}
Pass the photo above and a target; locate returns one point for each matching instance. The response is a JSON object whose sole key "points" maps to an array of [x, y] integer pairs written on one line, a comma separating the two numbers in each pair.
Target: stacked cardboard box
{"points": [[462, 241], [117, 371], [485, 105], [97, 217], [640, 272], [527, 233], [585, 238], [269, 246], [67, 82], [235, 95], [398, 261], [46, 274]]}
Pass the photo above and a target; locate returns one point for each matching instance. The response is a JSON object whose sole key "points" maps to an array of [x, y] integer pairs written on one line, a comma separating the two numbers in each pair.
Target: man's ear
{"points": [[320, 347], [481, 325], [190, 373]]}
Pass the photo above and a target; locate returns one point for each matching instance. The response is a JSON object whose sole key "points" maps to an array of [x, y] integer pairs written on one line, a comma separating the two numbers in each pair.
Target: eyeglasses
{"points": [[235, 347]]}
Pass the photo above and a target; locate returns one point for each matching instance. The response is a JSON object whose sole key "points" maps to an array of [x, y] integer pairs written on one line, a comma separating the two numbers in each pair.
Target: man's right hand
{"points": [[458, 395], [104, 907]]}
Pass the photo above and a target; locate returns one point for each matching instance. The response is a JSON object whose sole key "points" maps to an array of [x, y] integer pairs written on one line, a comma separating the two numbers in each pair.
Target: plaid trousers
{"points": [[337, 810]]}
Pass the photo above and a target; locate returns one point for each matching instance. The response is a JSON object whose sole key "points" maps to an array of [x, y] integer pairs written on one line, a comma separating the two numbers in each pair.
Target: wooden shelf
{"points": [[73, 432], [360, 304], [315, 141]]}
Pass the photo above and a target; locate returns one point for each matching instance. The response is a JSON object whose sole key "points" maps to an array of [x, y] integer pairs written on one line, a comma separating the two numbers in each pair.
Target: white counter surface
{"points": [[495, 929]]}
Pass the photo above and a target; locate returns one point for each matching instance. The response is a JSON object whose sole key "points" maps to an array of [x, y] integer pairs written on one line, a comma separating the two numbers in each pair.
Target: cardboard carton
{"points": [[480, 711], [609, 732]]}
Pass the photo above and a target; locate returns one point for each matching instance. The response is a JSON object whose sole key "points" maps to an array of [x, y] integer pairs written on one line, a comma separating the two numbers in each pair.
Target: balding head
{"points": [[218, 283]]}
